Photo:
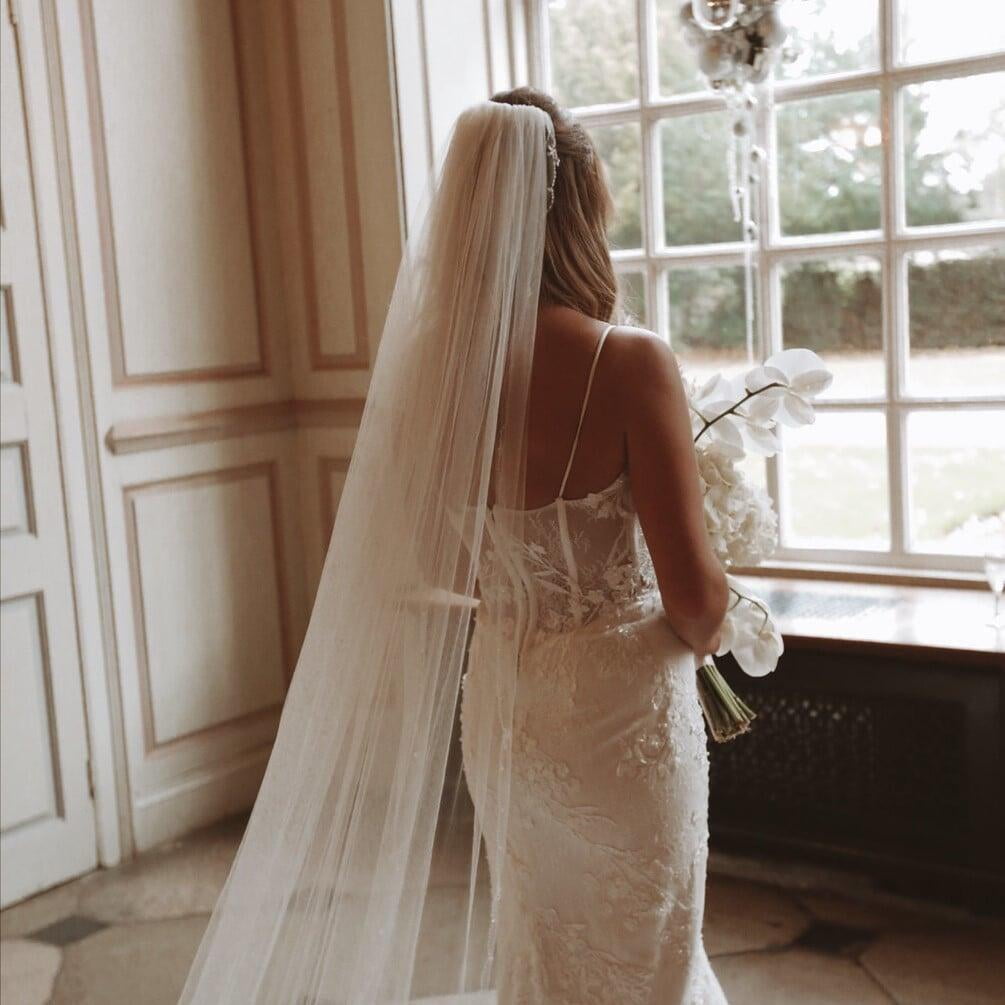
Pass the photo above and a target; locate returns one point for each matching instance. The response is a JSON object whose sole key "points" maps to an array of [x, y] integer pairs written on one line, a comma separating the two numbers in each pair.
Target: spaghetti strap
{"points": [[582, 411]]}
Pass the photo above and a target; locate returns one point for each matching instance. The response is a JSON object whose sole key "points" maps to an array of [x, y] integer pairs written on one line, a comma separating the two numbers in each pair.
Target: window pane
{"points": [[678, 64], [707, 320], [956, 300], [957, 475], [594, 52], [620, 148], [632, 287], [831, 37], [835, 308], [930, 30], [697, 208], [954, 132], [829, 169], [835, 482]]}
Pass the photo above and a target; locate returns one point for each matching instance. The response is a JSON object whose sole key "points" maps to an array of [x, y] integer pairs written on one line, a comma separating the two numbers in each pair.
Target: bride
{"points": [[525, 465]]}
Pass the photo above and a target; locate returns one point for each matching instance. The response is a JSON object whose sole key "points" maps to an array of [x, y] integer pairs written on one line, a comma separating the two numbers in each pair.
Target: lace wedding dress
{"points": [[604, 861]]}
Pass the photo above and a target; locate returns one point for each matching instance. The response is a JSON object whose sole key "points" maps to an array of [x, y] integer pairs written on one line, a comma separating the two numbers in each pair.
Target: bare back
{"points": [[636, 421], [564, 352]]}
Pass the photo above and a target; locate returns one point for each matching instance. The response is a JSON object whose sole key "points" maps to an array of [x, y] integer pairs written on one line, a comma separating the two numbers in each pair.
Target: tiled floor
{"points": [[126, 936]]}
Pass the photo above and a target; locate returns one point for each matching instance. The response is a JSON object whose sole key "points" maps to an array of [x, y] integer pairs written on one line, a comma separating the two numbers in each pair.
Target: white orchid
{"points": [[749, 632], [742, 413], [729, 418]]}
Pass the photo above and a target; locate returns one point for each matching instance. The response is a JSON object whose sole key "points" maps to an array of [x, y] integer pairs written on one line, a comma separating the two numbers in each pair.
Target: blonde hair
{"points": [[577, 270]]}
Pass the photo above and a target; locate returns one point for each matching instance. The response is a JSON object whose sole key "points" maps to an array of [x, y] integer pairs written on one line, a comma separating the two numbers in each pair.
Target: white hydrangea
{"points": [[739, 517]]}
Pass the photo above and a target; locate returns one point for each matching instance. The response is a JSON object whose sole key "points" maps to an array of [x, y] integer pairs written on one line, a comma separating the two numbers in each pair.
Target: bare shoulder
{"points": [[643, 366]]}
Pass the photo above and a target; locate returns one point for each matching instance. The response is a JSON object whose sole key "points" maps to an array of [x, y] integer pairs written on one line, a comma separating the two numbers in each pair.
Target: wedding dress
{"points": [[603, 870]]}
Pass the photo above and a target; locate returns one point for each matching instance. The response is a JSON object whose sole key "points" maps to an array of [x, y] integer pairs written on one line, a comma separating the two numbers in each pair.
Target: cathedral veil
{"points": [[325, 898]]}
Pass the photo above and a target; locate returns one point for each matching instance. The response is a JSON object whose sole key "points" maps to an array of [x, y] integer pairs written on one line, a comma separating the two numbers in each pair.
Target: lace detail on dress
{"points": [[612, 567]]}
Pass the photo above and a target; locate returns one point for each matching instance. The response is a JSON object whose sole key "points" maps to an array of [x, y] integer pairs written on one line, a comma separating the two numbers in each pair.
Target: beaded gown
{"points": [[605, 858]]}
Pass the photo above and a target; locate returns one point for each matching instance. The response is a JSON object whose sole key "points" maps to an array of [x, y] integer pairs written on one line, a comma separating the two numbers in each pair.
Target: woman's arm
{"points": [[664, 477]]}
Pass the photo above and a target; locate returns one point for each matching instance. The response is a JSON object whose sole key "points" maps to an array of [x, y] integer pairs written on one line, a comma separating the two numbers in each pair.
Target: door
{"points": [[46, 814]]}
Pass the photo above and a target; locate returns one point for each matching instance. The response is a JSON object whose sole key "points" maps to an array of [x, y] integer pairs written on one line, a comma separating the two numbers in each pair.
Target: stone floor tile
{"points": [[740, 916], [27, 971], [875, 914], [176, 880], [962, 965], [838, 940], [146, 963], [796, 977], [471, 998], [41, 910], [68, 930]]}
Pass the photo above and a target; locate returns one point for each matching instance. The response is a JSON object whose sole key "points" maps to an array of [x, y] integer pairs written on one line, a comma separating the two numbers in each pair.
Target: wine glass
{"points": [[994, 572]]}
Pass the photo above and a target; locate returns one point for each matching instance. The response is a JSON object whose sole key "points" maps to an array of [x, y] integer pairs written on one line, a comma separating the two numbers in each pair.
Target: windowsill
{"points": [[922, 619], [884, 575]]}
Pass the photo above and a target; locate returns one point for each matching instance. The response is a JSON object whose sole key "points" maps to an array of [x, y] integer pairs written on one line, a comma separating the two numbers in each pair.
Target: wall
{"points": [[233, 182], [236, 230]]}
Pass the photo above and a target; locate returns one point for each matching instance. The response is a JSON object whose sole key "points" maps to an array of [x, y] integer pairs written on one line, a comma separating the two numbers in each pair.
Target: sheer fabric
{"points": [[324, 901]]}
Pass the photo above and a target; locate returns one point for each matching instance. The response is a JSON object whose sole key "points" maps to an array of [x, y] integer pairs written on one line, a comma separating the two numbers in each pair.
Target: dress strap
{"points": [[582, 411]]}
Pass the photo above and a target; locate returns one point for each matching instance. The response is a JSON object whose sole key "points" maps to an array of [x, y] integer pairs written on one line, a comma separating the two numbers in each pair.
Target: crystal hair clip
{"points": [[553, 163]]}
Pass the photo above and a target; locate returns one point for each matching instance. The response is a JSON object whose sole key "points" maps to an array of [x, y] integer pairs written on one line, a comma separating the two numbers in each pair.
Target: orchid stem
{"points": [[733, 408]]}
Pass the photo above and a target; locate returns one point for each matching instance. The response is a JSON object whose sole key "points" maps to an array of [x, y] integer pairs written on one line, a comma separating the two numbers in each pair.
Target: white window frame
{"points": [[890, 245]]}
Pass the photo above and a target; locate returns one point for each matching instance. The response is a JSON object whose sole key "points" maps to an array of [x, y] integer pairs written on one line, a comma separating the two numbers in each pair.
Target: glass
{"points": [[829, 163], [696, 203], [835, 482], [707, 329], [930, 30], [593, 51], [956, 304], [829, 37], [835, 308], [956, 463], [954, 149], [678, 71], [994, 573], [632, 289], [620, 148]]}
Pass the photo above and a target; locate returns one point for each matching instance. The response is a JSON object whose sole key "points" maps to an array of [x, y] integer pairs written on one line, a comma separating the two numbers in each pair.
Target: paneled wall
{"points": [[170, 142], [230, 183], [339, 206], [237, 228]]}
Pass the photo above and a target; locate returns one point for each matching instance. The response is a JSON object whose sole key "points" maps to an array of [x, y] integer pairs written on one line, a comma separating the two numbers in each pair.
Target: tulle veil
{"points": [[324, 900]]}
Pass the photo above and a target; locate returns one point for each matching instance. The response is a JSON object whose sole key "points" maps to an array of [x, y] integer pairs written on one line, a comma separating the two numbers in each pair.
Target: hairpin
{"points": [[553, 163]]}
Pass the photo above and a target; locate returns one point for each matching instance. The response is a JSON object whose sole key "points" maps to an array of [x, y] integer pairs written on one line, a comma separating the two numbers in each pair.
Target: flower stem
{"points": [[733, 408], [726, 713]]}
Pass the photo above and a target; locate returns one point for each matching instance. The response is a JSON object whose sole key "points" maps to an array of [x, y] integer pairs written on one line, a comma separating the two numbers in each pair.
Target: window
{"points": [[882, 246]]}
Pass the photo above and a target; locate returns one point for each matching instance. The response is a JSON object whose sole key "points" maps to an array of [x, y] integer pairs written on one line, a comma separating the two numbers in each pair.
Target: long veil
{"points": [[324, 901]]}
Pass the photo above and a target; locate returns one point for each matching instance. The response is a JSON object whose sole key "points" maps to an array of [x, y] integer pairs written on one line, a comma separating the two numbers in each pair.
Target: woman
{"points": [[603, 870], [503, 455]]}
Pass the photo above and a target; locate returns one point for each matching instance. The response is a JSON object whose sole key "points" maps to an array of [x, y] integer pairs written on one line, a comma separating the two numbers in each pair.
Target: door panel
{"points": [[46, 814]]}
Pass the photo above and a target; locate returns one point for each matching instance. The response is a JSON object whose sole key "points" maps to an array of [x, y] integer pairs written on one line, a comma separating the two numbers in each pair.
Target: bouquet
{"points": [[728, 419]]}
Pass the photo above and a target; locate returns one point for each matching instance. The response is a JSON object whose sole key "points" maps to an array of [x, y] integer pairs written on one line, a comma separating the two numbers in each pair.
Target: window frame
{"points": [[890, 245]]}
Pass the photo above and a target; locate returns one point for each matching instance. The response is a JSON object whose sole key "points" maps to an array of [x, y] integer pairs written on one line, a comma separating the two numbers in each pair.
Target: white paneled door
{"points": [[46, 814]]}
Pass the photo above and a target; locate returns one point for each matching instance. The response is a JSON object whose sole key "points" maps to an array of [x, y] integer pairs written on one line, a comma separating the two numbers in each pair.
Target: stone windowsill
{"points": [[918, 618]]}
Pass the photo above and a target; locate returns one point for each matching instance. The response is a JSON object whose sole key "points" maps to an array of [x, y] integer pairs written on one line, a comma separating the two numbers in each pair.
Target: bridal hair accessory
{"points": [[728, 419], [553, 162]]}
